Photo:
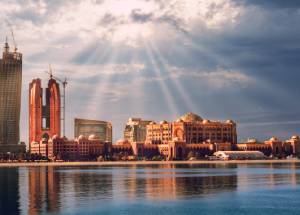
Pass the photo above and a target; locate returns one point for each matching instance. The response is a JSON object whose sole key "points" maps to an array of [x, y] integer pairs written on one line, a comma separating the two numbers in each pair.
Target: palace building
{"points": [[273, 146], [192, 129]]}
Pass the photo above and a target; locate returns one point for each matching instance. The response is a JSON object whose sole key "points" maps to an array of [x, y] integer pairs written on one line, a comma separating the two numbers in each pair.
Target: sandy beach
{"points": [[120, 163]]}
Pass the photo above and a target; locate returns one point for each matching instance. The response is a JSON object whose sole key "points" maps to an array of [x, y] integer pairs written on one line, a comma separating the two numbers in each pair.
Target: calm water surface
{"points": [[152, 189]]}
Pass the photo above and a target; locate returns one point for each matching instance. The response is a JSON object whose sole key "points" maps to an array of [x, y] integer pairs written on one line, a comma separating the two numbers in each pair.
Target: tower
{"points": [[44, 111], [10, 100]]}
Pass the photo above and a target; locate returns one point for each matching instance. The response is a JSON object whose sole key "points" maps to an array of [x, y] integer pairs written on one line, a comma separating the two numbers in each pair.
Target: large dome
{"points": [[273, 139], [190, 117]]}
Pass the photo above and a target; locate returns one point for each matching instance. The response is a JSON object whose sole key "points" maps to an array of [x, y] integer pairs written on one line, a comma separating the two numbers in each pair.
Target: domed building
{"points": [[294, 144], [190, 117], [192, 129]]}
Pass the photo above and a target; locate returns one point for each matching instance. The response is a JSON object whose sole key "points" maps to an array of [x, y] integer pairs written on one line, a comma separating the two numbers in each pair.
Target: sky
{"points": [[158, 59]]}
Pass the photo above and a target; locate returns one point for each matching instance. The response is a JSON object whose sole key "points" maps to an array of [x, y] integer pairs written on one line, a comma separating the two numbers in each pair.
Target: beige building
{"points": [[273, 146], [136, 130], [100, 129], [191, 129]]}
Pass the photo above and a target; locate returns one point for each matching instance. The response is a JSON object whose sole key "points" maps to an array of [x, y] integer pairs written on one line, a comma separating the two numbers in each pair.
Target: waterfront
{"points": [[216, 188]]}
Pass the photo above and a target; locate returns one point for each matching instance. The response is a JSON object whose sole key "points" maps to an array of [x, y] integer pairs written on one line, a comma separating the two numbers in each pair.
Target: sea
{"points": [[271, 188]]}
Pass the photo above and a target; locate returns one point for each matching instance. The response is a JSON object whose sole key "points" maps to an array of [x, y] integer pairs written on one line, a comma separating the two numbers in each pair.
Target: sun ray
{"points": [[166, 92], [184, 95]]}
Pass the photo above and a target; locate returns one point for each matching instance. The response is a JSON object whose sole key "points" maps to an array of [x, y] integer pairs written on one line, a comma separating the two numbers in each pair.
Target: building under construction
{"points": [[10, 100], [44, 111]]}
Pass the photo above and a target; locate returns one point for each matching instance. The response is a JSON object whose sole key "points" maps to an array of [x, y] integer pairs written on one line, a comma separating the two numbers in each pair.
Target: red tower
{"points": [[44, 111]]}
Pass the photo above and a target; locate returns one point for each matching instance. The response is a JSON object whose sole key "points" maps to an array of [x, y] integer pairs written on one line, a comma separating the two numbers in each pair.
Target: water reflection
{"points": [[9, 194], [40, 190], [44, 190]]}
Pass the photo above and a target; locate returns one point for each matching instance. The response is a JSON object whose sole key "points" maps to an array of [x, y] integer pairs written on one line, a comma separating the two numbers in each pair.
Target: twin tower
{"points": [[44, 111]]}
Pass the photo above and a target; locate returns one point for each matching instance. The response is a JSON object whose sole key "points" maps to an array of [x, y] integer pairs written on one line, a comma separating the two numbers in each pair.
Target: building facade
{"points": [[273, 146], [101, 129], [10, 100], [81, 148], [136, 130], [44, 111], [192, 129]]}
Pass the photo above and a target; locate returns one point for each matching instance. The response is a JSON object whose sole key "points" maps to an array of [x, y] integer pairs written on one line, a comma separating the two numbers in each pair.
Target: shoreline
{"points": [[128, 163]]}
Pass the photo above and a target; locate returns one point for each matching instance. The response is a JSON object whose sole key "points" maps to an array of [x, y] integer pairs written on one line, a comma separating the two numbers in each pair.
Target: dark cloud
{"points": [[138, 16], [107, 19], [291, 4]]}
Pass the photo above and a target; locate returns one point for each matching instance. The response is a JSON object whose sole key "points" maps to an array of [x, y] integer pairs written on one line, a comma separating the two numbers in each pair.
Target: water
{"points": [[152, 189]]}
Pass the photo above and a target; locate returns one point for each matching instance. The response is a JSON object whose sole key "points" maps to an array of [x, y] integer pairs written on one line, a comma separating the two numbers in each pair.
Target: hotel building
{"points": [[44, 114], [192, 129], [100, 129], [273, 146], [136, 130]]}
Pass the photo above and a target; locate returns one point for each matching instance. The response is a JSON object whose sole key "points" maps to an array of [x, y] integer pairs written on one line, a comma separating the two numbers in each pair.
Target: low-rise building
{"points": [[254, 145], [294, 143], [273, 146], [81, 148]]}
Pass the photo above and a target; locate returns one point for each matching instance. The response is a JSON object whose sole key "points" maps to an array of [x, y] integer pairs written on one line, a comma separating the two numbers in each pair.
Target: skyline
{"points": [[226, 60]]}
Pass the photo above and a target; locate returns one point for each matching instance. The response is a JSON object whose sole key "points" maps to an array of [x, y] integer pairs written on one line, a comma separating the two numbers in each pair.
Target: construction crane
{"points": [[64, 83], [13, 37]]}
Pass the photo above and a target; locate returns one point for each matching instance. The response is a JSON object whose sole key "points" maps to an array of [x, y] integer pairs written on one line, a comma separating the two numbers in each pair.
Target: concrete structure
{"points": [[101, 129], [136, 130], [44, 111], [10, 100], [239, 155], [192, 129]]}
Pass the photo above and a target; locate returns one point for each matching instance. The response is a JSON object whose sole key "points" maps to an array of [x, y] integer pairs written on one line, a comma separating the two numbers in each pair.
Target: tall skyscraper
{"points": [[44, 111], [10, 100]]}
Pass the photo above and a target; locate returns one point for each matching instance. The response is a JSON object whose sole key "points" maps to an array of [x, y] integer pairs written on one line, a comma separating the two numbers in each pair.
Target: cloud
{"points": [[218, 79], [138, 16]]}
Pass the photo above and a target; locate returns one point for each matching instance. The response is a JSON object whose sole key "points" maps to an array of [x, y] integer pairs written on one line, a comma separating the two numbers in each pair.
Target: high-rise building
{"points": [[101, 130], [10, 100], [136, 129], [44, 111]]}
